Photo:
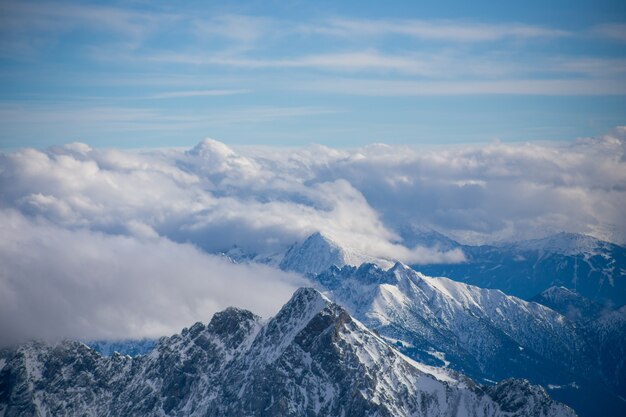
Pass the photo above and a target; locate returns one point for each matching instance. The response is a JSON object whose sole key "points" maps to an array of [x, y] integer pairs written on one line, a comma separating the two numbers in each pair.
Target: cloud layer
{"points": [[110, 243]]}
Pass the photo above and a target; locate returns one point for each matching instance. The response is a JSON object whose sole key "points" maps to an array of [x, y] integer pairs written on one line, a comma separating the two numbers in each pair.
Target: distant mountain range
{"points": [[591, 267], [311, 359], [588, 266]]}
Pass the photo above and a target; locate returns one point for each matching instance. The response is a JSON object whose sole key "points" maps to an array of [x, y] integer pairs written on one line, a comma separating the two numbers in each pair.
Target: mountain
{"points": [[439, 320], [607, 336], [481, 332], [602, 330], [311, 359], [591, 267], [319, 252], [570, 304], [416, 235], [239, 255]]}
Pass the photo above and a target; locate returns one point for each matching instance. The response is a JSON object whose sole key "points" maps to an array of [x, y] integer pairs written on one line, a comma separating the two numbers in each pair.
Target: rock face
{"points": [[591, 267], [311, 359]]}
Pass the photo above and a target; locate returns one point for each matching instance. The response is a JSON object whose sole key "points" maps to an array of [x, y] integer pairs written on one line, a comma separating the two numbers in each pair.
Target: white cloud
{"points": [[272, 197]]}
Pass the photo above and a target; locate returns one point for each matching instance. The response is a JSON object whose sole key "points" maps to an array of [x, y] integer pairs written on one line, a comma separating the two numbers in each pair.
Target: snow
{"points": [[439, 373], [441, 356]]}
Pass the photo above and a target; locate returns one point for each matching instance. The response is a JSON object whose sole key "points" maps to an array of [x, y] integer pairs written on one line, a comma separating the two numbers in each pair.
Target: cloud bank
{"points": [[111, 243], [57, 283]]}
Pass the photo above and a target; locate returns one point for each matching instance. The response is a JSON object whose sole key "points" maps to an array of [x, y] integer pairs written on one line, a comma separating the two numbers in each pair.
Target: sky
{"points": [[143, 74]]}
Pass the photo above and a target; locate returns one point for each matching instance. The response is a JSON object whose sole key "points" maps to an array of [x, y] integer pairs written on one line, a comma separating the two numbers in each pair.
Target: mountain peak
{"points": [[305, 302], [559, 291], [419, 235], [319, 252], [315, 254], [569, 303], [563, 243]]}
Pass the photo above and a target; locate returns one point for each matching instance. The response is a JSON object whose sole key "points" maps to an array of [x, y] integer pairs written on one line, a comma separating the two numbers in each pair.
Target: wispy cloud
{"points": [[376, 87], [436, 65], [614, 31], [244, 29], [439, 30], [83, 120], [53, 18], [199, 93], [350, 61]]}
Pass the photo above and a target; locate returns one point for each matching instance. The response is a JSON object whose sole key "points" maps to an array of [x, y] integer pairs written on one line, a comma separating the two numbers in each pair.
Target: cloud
{"points": [[243, 29], [439, 30], [267, 198], [200, 93], [57, 282], [111, 243], [613, 31], [377, 87]]}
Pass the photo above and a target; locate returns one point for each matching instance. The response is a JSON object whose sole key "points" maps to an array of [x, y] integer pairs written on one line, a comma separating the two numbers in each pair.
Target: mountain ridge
{"points": [[312, 358]]}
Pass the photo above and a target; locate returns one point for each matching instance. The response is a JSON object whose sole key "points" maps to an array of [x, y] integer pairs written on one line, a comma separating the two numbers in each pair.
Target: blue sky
{"points": [[151, 74]]}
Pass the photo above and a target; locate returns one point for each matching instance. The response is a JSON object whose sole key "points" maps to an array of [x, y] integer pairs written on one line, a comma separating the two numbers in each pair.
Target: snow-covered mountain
{"points": [[569, 303], [417, 235], [437, 319], [319, 252], [607, 336], [591, 267], [482, 332], [311, 359]]}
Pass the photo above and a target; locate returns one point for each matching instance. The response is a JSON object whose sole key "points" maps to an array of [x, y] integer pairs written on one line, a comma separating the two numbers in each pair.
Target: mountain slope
{"points": [[311, 359], [493, 335], [607, 335]]}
